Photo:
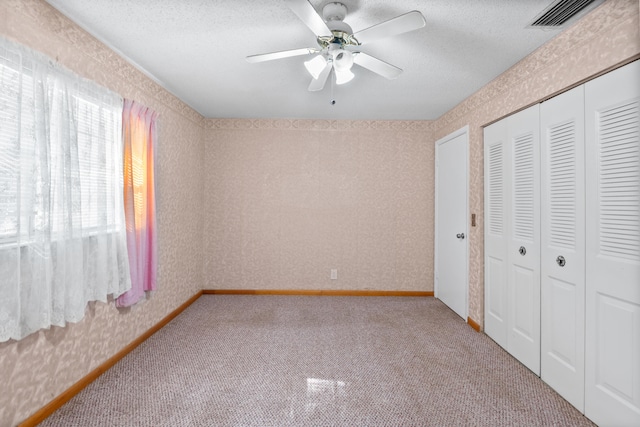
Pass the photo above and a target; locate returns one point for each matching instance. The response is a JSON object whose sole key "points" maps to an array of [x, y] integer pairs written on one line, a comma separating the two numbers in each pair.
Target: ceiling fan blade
{"points": [[282, 54], [400, 24], [377, 66], [318, 84], [309, 16]]}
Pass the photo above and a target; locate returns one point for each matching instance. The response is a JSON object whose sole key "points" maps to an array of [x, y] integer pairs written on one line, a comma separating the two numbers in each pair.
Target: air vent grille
{"points": [[560, 11]]}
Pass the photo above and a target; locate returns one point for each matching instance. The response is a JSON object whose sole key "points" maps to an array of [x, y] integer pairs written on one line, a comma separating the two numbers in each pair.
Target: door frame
{"points": [[462, 131]]}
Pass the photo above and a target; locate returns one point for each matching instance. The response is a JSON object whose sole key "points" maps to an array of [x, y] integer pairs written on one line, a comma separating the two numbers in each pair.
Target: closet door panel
{"points": [[524, 237], [613, 247], [496, 185], [562, 245]]}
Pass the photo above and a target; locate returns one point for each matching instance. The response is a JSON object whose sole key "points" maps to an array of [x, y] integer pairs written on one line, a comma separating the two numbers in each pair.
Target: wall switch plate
{"points": [[334, 274]]}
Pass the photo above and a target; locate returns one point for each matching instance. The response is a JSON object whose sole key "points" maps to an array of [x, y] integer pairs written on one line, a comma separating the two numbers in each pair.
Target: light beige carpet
{"points": [[317, 361]]}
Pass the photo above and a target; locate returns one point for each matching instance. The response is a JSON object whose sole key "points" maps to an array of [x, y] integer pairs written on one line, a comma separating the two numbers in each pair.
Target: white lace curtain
{"points": [[62, 234]]}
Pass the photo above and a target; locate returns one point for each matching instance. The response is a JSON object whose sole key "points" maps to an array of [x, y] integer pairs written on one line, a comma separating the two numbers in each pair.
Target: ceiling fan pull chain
{"points": [[333, 85]]}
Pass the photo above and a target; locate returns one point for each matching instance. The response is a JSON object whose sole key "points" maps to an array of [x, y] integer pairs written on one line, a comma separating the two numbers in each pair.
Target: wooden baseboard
{"points": [[63, 398], [318, 292], [475, 325]]}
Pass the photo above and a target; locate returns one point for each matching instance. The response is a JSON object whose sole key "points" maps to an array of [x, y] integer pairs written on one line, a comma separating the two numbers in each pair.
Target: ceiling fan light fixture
{"points": [[315, 66], [342, 60], [343, 76]]}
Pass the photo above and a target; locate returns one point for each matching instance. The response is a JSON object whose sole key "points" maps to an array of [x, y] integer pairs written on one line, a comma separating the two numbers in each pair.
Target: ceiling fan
{"points": [[338, 46]]}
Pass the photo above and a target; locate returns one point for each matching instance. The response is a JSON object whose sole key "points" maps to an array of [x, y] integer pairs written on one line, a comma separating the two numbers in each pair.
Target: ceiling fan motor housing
{"points": [[334, 12], [339, 26]]}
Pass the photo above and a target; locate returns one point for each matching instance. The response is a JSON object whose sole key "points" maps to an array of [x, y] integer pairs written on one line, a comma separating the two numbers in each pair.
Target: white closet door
{"points": [[562, 245], [524, 237], [496, 190], [613, 248], [512, 235]]}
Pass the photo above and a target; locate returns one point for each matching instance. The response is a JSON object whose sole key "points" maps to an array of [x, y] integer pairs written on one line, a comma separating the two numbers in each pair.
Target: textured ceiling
{"points": [[196, 49]]}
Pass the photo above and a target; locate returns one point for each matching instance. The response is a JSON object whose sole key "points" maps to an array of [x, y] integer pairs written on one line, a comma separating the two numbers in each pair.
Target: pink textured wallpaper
{"points": [[40, 367], [605, 38], [286, 201]]}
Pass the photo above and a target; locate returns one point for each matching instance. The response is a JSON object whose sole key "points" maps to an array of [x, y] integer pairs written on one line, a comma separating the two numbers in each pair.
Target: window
{"points": [[62, 233]]}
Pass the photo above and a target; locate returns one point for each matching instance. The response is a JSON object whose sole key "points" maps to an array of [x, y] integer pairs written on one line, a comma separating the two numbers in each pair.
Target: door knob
{"points": [[460, 235], [561, 261], [522, 250]]}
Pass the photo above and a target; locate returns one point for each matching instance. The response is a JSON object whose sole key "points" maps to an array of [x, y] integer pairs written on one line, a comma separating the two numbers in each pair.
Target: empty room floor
{"points": [[240, 360]]}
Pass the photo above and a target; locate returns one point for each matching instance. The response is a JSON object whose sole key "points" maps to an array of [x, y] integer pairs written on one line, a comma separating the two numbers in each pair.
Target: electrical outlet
{"points": [[334, 274]]}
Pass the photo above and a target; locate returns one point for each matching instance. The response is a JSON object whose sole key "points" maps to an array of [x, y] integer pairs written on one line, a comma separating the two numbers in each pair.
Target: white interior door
{"points": [[613, 248], [496, 189], [523, 244], [451, 221], [562, 245]]}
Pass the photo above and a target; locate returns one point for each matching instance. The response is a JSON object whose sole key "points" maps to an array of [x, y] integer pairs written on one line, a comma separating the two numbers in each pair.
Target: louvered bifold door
{"points": [[613, 248], [496, 190], [562, 244], [524, 238]]}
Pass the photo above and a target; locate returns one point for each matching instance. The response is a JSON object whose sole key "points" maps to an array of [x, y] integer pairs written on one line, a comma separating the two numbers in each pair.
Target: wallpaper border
{"points": [[320, 124]]}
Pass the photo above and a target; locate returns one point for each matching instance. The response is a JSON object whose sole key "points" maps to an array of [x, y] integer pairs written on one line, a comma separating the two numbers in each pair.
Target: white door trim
{"points": [[462, 131]]}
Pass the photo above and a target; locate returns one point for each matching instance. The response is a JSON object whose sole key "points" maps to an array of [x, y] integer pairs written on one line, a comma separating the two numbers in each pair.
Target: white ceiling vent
{"points": [[558, 13]]}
